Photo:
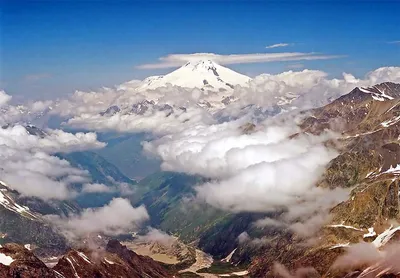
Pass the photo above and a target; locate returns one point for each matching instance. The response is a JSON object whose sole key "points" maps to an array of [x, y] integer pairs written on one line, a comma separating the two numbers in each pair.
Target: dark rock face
{"points": [[115, 261], [168, 109], [33, 130], [110, 111], [227, 100], [141, 107]]}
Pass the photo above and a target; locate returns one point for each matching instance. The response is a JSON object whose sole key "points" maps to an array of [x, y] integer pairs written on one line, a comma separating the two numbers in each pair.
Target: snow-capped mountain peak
{"points": [[202, 74], [201, 65]]}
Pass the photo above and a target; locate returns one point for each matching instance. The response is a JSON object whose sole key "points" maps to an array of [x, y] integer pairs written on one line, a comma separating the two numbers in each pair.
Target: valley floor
{"points": [[203, 260]]}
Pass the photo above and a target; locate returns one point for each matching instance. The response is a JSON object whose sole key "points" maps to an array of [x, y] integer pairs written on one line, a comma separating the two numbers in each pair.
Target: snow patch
{"points": [[369, 174], [391, 122], [340, 245], [229, 257], [378, 98], [371, 233], [381, 96], [364, 91], [9, 204], [5, 260], [73, 267], [83, 256], [395, 170], [384, 237], [109, 262], [238, 273], [58, 274], [344, 226]]}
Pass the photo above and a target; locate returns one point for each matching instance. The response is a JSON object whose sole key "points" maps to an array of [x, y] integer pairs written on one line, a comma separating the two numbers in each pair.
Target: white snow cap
{"points": [[198, 74]]}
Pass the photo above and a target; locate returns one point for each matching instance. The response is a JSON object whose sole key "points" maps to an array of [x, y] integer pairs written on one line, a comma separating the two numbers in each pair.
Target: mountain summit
{"points": [[202, 74]]}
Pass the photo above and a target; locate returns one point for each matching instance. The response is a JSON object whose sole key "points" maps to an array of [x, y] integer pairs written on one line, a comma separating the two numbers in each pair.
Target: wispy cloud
{"points": [[394, 42], [282, 44], [176, 60], [37, 76]]}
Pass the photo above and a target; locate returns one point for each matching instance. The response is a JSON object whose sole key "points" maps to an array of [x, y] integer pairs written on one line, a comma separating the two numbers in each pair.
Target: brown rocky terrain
{"points": [[367, 121], [115, 260]]}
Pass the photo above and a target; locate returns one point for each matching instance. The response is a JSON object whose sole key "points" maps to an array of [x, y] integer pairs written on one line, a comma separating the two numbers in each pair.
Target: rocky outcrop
{"points": [[113, 261], [19, 262]]}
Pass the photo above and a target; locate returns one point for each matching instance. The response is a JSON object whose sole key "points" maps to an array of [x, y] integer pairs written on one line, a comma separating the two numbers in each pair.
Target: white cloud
{"points": [[86, 102], [155, 235], [222, 149], [158, 122], [96, 188], [262, 171], [17, 137], [4, 98], [176, 60], [294, 89], [266, 185], [15, 113], [280, 270], [268, 222], [282, 44], [250, 169], [310, 88], [115, 218], [28, 166], [39, 174], [367, 256], [243, 237]]}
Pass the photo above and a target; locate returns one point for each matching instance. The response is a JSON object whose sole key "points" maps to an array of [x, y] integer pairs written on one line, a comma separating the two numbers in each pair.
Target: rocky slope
{"points": [[369, 165], [22, 221], [114, 260]]}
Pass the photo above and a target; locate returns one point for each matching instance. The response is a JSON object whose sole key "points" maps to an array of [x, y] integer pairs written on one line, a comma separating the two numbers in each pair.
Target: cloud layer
{"points": [[374, 262], [176, 60], [172, 109], [250, 170], [307, 88], [27, 164], [115, 218]]}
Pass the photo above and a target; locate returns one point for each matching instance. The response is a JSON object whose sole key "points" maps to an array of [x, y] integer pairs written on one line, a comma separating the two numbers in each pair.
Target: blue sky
{"points": [[51, 48]]}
